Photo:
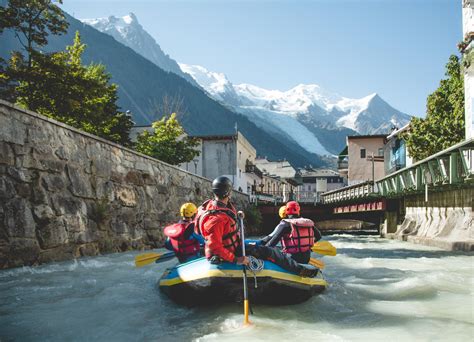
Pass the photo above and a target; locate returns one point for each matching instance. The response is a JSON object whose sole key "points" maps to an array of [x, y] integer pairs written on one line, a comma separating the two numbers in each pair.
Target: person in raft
{"points": [[296, 234], [216, 221], [181, 238]]}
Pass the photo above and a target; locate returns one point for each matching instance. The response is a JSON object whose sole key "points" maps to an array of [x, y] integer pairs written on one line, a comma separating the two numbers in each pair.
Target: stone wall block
{"points": [[126, 195], [43, 212], [39, 194], [101, 167], [68, 205], [60, 253], [22, 175], [80, 183], [20, 252], [104, 189], [52, 234], [60, 152], [11, 130], [134, 177], [143, 166], [54, 182], [18, 219], [40, 135], [6, 154], [23, 190], [89, 249], [7, 188], [20, 150], [74, 224]]}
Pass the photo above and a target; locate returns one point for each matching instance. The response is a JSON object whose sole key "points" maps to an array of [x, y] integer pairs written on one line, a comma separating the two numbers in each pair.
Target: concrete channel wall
{"points": [[445, 220], [65, 193]]}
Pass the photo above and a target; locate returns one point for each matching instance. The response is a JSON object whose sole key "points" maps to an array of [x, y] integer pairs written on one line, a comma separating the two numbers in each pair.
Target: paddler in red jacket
{"points": [[216, 221], [182, 239], [296, 234]]}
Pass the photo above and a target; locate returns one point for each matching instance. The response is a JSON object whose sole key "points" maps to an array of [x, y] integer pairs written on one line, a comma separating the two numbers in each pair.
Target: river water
{"points": [[379, 290]]}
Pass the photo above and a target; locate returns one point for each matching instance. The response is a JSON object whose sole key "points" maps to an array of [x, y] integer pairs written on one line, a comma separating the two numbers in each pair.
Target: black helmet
{"points": [[222, 186]]}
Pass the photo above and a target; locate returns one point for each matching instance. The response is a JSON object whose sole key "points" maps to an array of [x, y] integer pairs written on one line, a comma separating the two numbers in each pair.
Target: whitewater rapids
{"points": [[378, 290]]}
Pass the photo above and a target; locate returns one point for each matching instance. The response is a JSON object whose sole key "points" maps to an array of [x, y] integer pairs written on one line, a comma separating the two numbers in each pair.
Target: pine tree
{"points": [[444, 122], [59, 86], [168, 142], [32, 21]]}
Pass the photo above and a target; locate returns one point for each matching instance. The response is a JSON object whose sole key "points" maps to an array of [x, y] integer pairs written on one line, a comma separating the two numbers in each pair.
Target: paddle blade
{"points": [[324, 248], [145, 259], [317, 263]]}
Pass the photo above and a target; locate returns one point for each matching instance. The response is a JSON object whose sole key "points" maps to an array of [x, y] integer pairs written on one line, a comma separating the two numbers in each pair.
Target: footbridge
{"points": [[430, 201]]}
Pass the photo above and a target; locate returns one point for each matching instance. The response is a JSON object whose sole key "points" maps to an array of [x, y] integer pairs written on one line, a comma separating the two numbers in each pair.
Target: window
{"points": [[380, 152], [240, 173], [240, 154], [362, 152]]}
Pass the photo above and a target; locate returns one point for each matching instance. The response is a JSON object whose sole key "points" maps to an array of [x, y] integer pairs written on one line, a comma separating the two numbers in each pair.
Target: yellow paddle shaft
{"points": [[246, 312]]}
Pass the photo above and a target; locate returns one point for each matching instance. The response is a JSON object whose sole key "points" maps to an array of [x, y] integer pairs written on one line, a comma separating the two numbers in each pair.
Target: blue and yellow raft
{"points": [[199, 282]]}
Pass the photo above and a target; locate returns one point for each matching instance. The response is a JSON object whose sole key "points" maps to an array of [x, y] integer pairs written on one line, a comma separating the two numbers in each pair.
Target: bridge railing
{"points": [[278, 197], [347, 193], [450, 167]]}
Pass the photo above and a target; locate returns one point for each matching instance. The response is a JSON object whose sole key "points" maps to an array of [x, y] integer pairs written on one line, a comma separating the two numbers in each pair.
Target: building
{"points": [[195, 165], [280, 179], [231, 156], [395, 151], [365, 156], [317, 182], [467, 51]]}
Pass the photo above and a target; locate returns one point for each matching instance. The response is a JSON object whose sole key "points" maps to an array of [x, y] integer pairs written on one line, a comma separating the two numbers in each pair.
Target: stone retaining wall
{"points": [[65, 193]]}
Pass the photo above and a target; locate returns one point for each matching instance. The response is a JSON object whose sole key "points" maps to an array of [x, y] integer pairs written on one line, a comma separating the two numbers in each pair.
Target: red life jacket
{"points": [[182, 245], [231, 237], [301, 238]]}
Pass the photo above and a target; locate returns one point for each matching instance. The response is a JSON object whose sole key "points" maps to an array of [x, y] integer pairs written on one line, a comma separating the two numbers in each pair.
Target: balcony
{"points": [[342, 164], [251, 168]]}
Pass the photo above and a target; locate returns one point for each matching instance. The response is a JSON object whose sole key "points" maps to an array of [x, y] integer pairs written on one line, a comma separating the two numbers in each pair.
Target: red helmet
{"points": [[292, 208]]}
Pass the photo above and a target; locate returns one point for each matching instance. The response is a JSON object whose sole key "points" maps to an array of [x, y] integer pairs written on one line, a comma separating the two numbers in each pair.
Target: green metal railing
{"points": [[348, 193], [451, 167]]}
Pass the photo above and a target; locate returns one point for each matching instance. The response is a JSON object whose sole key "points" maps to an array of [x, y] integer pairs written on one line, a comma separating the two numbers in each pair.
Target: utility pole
{"points": [[373, 169]]}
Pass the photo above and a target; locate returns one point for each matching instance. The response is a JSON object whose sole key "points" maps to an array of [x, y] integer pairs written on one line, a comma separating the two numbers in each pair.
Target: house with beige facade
{"points": [[364, 158]]}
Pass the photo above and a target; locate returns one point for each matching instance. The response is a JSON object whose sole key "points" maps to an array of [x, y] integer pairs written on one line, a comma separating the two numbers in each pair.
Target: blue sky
{"points": [[395, 48]]}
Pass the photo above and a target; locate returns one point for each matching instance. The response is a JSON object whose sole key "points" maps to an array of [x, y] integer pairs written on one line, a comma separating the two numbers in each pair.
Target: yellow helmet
{"points": [[282, 212], [188, 210]]}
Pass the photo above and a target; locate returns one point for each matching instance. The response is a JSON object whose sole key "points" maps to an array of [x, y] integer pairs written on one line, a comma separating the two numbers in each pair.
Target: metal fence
{"points": [[451, 167]]}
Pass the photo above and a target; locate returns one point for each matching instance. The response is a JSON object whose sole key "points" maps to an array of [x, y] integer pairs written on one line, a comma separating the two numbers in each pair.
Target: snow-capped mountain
{"points": [[313, 118], [303, 103], [128, 31]]}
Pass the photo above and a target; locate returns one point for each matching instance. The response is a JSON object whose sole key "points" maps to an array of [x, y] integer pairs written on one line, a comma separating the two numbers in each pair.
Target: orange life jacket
{"points": [[231, 236], [301, 238], [183, 246]]}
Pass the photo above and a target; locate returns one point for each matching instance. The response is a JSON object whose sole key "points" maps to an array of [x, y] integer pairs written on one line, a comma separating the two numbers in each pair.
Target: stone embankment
{"points": [[446, 220], [65, 193]]}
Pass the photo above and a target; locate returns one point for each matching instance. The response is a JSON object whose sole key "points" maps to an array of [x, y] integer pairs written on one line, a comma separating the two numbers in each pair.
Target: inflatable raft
{"points": [[199, 283]]}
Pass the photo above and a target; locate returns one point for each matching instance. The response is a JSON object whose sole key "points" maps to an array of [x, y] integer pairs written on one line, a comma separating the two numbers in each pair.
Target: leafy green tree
{"points": [[32, 21], [444, 122], [168, 142], [59, 86]]}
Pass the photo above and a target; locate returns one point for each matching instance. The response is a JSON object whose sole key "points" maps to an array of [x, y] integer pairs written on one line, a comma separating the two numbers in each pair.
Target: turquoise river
{"points": [[379, 290]]}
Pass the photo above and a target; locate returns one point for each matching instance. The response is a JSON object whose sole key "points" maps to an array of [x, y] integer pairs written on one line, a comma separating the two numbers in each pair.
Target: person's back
{"points": [[296, 234], [216, 221], [181, 237]]}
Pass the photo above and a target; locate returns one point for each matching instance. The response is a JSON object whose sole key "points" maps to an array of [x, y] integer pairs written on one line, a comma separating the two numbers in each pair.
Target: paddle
{"points": [[317, 263], [147, 258], [324, 248], [244, 268]]}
